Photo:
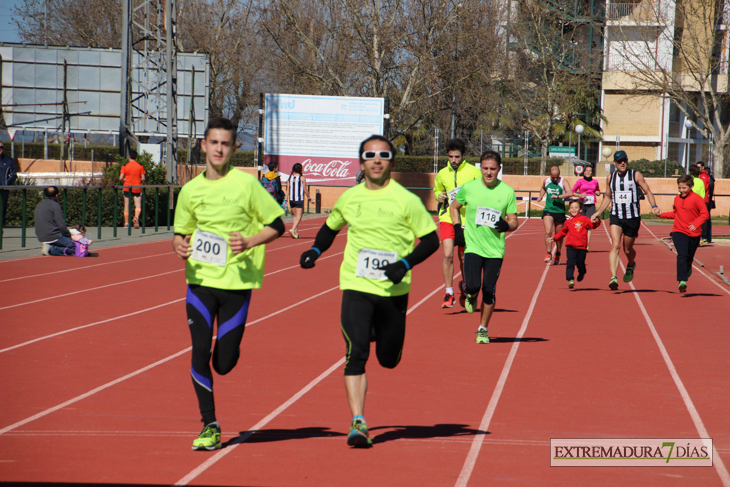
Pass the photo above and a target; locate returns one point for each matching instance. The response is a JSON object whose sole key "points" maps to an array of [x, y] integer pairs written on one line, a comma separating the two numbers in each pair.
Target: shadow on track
{"points": [[515, 339], [423, 432], [269, 435]]}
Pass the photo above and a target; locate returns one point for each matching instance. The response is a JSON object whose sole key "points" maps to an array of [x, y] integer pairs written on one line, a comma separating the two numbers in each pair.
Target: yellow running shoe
{"points": [[209, 439]]}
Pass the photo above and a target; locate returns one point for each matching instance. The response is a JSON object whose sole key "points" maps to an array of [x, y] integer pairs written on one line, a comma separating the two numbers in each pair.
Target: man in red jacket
{"points": [[576, 246], [689, 214], [707, 180]]}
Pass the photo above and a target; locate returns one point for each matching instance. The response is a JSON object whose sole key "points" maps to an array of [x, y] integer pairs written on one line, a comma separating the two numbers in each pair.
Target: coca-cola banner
{"points": [[323, 133]]}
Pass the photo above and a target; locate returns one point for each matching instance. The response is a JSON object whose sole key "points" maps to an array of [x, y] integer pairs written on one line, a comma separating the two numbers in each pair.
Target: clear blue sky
{"points": [[8, 32]]}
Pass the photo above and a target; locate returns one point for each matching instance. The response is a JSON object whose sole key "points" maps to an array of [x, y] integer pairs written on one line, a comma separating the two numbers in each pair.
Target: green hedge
{"points": [[655, 169]]}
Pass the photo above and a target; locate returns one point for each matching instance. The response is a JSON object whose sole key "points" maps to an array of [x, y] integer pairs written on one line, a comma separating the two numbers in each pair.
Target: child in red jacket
{"points": [[689, 213], [576, 228]]}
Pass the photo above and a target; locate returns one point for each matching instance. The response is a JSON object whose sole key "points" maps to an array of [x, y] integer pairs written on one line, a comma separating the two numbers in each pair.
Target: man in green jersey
{"points": [[384, 221], [557, 190], [223, 218], [491, 210], [447, 184]]}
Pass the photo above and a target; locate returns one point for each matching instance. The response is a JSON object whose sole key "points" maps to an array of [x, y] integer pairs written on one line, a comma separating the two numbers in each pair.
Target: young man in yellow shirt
{"points": [[222, 221]]}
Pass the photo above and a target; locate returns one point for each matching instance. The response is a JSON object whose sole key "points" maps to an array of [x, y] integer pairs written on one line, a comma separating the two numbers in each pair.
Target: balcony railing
{"points": [[633, 63], [633, 12]]}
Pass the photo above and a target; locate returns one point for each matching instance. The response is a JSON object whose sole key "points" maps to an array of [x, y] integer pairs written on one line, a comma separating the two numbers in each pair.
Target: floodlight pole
{"points": [[125, 113], [171, 141]]}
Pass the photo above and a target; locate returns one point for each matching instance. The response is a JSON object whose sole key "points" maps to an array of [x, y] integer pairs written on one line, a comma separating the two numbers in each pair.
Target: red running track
{"points": [[96, 388]]}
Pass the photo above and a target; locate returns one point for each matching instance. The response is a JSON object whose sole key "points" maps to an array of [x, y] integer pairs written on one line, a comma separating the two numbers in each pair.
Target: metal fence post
{"points": [[65, 199], [83, 206], [25, 206], [142, 214], [157, 197], [318, 202], [98, 228], [116, 197]]}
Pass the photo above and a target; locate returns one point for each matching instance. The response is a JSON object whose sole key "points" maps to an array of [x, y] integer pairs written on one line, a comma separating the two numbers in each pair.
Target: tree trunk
{"points": [[718, 156], [543, 156]]}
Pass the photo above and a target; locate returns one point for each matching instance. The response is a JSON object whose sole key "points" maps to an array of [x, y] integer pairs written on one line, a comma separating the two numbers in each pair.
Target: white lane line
{"points": [[90, 289], [132, 314], [87, 267], [476, 445], [699, 425], [232, 446], [144, 369], [713, 281]]}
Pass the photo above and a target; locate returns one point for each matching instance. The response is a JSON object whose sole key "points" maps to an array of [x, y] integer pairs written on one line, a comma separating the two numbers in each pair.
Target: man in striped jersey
{"points": [[622, 193]]}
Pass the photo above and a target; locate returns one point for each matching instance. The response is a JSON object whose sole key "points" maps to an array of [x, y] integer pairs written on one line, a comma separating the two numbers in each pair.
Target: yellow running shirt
{"points": [[485, 206], [383, 226], [210, 210]]}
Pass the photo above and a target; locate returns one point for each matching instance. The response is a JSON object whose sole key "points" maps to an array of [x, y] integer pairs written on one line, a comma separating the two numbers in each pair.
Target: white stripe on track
{"points": [[144, 369], [87, 267], [232, 446], [135, 313], [90, 289], [694, 414], [725, 290], [476, 445]]}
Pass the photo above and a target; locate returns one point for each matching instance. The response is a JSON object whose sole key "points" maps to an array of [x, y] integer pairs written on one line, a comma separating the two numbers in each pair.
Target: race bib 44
{"points": [[210, 248], [623, 197], [369, 260]]}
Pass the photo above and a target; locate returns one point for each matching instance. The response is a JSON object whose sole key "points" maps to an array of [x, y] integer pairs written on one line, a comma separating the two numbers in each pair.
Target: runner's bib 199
{"points": [[210, 248], [589, 199], [623, 197], [369, 260], [487, 216], [453, 193]]}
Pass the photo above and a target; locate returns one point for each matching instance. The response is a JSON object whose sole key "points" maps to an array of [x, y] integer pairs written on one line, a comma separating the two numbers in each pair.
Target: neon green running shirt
{"points": [[380, 222], [480, 238], [235, 203]]}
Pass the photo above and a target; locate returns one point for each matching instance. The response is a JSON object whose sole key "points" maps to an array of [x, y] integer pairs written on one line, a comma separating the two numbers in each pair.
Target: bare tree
{"points": [[676, 50]]}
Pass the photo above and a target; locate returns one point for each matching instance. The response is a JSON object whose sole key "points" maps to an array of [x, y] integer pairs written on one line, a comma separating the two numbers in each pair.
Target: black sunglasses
{"points": [[369, 155]]}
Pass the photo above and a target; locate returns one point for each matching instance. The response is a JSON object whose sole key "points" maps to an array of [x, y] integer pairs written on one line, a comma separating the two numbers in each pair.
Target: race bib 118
{"points": [[210, 248], [487, 216], [369, 260]]}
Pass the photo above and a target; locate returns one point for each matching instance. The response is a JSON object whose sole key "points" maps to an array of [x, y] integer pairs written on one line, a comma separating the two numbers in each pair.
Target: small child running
{"points": [[689, 213], [576, 228]]}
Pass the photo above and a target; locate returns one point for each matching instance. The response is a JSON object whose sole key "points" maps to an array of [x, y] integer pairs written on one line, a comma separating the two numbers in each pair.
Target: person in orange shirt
{"points": [[132, 174]]}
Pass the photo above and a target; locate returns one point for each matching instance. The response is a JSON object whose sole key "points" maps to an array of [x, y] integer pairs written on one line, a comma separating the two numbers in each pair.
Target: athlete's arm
{"points": [[181, 245], [542, 191], [306, 187], [427, 246], [512, 221], [322, 242], [269, 233], [568, 192], [605, 201], [649, 195]]}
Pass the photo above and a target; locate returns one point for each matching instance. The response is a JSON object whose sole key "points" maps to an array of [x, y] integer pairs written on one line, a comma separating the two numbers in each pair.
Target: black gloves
{"points": [[308, 258], [459, 235], [501, 225], [395, 271]]}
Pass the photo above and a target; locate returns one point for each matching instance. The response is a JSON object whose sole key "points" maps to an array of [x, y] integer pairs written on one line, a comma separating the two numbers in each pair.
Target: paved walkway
{"points": [[12, 240]]}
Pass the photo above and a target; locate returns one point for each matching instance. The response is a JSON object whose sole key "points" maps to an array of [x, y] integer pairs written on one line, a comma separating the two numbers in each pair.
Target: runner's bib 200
{"points": [[369, 260], [210, 248], [487, 216], [623, 197]]}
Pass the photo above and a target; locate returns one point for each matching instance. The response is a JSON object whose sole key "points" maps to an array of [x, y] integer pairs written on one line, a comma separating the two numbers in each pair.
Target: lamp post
{"points": [[579, 130], [606, 151], [688, 126]]}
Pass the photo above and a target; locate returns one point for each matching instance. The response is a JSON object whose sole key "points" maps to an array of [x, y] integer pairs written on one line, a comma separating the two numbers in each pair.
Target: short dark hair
{"points": [[686, 179], [491, 155], [50, 192], [220, 123], [576, 200], [694, 170], [132, 154], [700, 163], [273, 166], [380, 138], [456, 144]]}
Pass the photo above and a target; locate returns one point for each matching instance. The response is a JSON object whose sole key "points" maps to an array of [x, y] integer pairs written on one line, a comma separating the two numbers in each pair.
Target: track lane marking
{"points": [[694, 414], [144, 369], [241, 439], [132, 314]]}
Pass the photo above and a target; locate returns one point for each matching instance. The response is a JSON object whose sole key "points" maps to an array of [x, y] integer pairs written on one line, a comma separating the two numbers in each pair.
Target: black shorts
{"points": [[365, 315], [127, 195], [629, 226], [558, 218], [476, 266], [588, 210], [296, 204]]}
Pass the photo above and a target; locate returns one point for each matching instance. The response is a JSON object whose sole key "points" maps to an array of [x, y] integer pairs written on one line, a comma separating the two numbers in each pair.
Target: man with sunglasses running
{"points": [[622, 193], [384, 221]]}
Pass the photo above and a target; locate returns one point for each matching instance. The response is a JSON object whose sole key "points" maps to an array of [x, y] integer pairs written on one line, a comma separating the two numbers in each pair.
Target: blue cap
{"points": [[619, 154]]}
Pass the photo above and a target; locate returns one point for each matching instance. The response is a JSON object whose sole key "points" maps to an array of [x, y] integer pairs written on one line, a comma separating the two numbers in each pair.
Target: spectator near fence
{"points": [[50, 226], [8, 174], [132, 174]]}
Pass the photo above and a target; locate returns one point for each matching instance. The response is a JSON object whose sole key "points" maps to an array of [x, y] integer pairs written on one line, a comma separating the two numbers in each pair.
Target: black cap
{"points": [[619, 154]]}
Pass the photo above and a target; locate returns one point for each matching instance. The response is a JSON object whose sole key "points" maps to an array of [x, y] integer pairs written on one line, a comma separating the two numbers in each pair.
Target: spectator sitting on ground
{"points": [[50, 227]]}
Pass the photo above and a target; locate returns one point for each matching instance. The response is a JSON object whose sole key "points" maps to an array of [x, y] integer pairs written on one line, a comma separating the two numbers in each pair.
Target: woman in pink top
{"points": [[587, 190]]}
